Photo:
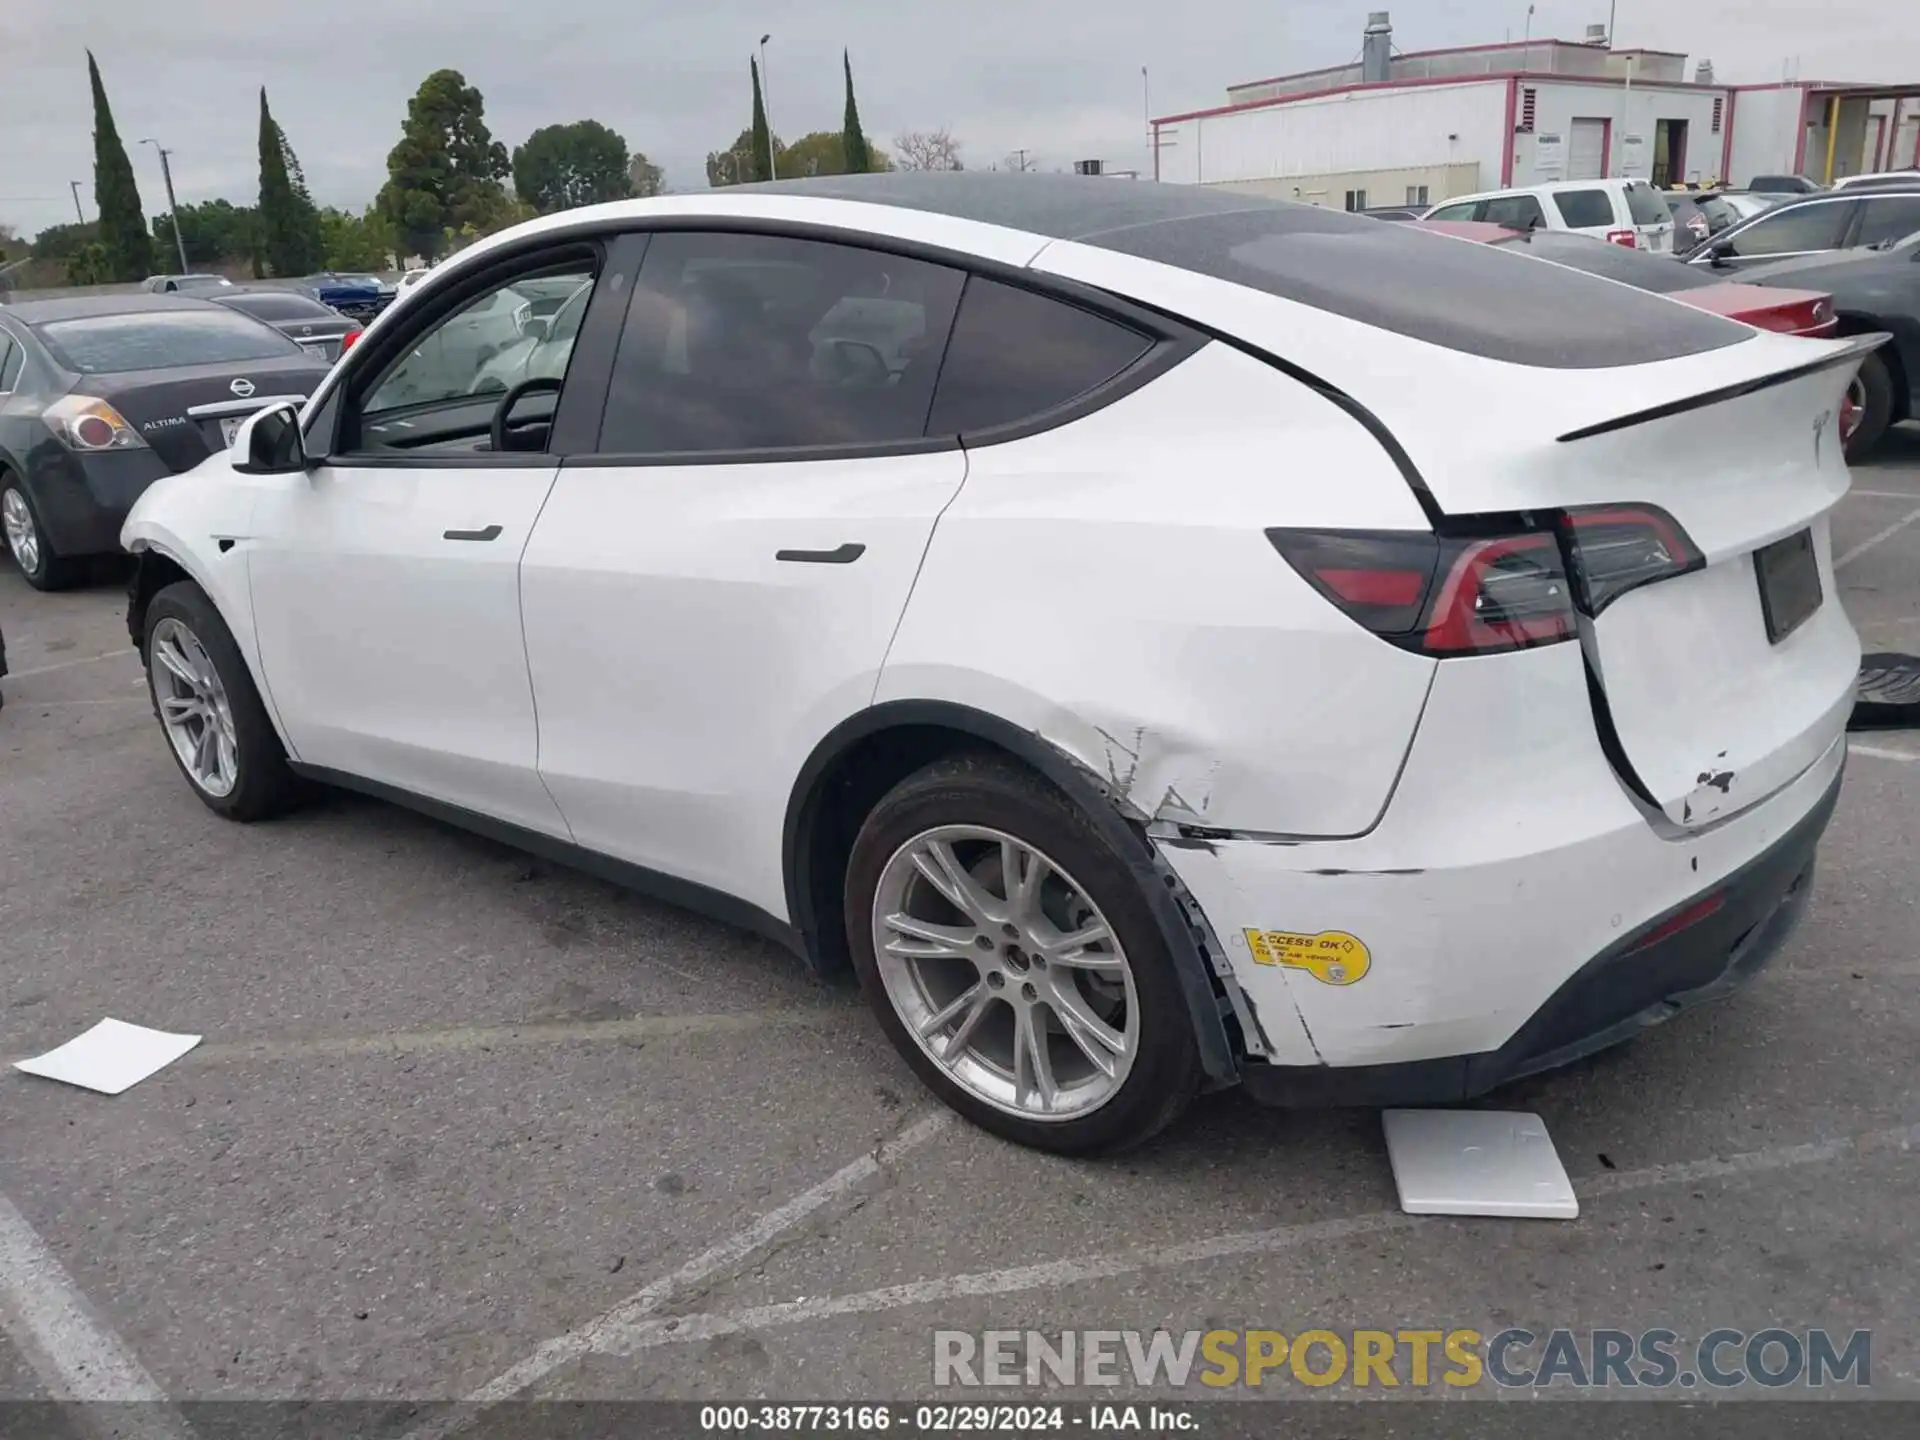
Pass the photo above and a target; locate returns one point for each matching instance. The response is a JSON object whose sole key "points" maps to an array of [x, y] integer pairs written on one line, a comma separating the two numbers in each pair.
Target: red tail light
{"points": [[1612, 549], [1511, 589], [1684, 920], [1439, 595], [1628, 238], [346, 340]]}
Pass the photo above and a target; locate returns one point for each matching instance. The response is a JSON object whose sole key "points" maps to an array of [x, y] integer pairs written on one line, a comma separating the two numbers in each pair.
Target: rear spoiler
{"points": [[1857, 349]]}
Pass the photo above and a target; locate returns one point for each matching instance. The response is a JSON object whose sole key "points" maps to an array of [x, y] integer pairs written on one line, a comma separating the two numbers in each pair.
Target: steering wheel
{"points": [[500, 430]]}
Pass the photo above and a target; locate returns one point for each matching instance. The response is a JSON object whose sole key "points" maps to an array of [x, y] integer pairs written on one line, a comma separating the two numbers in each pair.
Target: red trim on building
{"points": [[1606, 147], [1726, 140], [1506, 140], [1537, 76], [1459, 50]]}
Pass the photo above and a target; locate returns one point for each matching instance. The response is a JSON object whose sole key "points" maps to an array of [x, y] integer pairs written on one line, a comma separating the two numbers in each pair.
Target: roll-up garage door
{"points": [[1587, 152]]}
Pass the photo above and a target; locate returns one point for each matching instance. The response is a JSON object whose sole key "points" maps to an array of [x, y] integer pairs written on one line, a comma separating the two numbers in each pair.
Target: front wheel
{"points": [[205, 700], [1014, 962]]}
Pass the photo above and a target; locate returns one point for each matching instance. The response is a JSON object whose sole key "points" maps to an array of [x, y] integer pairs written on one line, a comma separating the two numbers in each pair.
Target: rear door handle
{"points": [[492, 532], [843, 555]]}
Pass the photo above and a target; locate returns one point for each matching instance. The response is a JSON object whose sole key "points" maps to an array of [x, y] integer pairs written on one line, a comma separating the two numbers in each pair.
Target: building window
{"points": [[1529, 99], [1719, 104], [1416, 195], [1356, 200]]}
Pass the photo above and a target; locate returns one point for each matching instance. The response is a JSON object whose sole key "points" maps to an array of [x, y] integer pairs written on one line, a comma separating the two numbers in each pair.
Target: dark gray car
{"points": [[1839, 220], [320, 330]]}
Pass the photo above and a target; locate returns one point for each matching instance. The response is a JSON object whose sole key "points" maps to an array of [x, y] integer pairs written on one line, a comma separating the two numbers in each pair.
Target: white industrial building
{"points": [[1407, 128]]}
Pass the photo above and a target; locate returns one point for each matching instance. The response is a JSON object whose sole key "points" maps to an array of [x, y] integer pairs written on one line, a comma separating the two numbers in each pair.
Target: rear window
{"points": [[161, 340], [282, 307], [1585, 209], [1646, 206], [1465, 297], [1653, 273]]}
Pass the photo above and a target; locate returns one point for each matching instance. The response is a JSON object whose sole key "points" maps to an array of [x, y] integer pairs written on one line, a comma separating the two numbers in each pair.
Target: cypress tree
{"points": [[124, 239], [762, 137], [289, 224], [853, 140]]}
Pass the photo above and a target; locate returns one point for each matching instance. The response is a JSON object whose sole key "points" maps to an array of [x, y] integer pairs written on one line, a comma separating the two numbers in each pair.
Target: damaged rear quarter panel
{"points": [[1108, 585]]}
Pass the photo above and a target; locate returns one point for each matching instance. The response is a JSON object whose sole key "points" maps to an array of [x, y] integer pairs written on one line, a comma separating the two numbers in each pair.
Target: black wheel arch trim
{"points": [[1219, 1054]]}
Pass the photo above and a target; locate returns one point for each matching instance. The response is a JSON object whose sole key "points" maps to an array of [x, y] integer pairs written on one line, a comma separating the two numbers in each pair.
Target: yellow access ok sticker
{"points": [[1333, 957]]}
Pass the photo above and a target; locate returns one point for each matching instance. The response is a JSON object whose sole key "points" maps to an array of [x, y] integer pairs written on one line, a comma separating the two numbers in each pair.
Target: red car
{"points": [[1765, 307]]}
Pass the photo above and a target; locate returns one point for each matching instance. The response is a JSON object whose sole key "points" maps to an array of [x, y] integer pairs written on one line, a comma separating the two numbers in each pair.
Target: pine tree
{"points": [[125, 242], [762, 137], [289, 224], [853, 140]]}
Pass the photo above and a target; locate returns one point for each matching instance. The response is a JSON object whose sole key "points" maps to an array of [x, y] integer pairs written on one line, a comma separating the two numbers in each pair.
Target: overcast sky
{"points": [[1058, 77]]}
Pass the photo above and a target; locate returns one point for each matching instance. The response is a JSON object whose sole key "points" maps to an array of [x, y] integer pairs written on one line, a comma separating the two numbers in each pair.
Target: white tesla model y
{"points": [[1157, 638]]}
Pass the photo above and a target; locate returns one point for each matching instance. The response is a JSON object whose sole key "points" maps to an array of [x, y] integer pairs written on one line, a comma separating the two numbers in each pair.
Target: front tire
{"points": [[1014, 961], [209, 710], [27, 541], [1870, 403]]}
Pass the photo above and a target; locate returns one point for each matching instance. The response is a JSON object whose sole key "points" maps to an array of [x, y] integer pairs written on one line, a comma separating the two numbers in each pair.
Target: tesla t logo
{"points": [[1820, 423], [242, 388]]}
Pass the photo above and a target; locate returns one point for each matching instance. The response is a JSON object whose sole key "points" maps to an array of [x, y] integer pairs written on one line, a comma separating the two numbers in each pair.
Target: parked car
{"points": [[1484, 642], [100, 396], [1622, 212], [357, 296], [320, 330], [1820, 223], [1878, 178], [1876, 290], [183, 284], [1784, 185], [1690, 223], [1727, 208], [1394, 212], [1808, 313]]}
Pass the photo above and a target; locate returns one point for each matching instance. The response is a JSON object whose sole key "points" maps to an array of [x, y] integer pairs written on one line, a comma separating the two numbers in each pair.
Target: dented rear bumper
{"points": [[1497, 920]]}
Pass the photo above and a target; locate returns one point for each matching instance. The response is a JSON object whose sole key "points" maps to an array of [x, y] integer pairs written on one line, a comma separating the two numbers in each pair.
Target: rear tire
{"points": [[1875, 397], [214, 723], [28, 544], [1083, 1043]]}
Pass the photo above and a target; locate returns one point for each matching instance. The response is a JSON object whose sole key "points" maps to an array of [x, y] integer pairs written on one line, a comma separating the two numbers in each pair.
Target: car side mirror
{"points": [[269, 442]]}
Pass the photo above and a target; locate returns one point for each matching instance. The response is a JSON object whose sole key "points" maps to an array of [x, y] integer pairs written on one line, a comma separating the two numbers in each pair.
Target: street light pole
{"points": [[173, 208], [1146, 107], [766, 104], [76, 201]]}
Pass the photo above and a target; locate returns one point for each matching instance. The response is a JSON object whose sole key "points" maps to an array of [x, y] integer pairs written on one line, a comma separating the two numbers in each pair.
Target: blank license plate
{"points": [[230, 428], [1789, 584]]}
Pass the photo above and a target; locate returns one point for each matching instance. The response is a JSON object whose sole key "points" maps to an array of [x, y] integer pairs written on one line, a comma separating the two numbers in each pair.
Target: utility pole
{"points": [[76, 201], [766, 104], [173, 208], [1020, 162]]}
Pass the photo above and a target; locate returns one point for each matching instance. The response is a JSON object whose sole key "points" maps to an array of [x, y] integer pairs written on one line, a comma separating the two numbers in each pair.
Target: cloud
{"points": [[1061, 79]]}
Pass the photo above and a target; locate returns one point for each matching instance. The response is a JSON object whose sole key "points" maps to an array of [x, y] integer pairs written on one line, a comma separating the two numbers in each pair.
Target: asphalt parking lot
{"points": [[468, 1125]]}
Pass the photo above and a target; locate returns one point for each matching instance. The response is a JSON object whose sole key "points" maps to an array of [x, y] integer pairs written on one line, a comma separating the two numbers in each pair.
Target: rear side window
{"points": [[1646, 206], [1469, 298], [1585, 209], [1463, 211], [162, 340], [1790, 232], [760, 342], [1015, 355], [1893, 217], [1516, 212]]}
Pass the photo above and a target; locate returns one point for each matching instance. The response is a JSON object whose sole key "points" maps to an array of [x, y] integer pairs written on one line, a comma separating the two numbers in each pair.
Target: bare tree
{"points": [[927, 150]]}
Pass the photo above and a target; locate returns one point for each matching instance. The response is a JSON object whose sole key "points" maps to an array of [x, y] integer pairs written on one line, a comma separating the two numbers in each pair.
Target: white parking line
{"points": [[1876, 538], [77, 1356], [1854, 747], [1051, 1274], [596, 1335], [69, 664], [1887, 494]]}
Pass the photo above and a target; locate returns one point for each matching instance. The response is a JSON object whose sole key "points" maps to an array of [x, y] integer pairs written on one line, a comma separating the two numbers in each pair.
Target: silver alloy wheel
{"points": [[23, 536], [193, 708], [1005, 972]]}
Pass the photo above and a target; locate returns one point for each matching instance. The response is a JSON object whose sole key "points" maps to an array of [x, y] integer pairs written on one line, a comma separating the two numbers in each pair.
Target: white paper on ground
{"points": [[1477, 1162], [111, 1057]]}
